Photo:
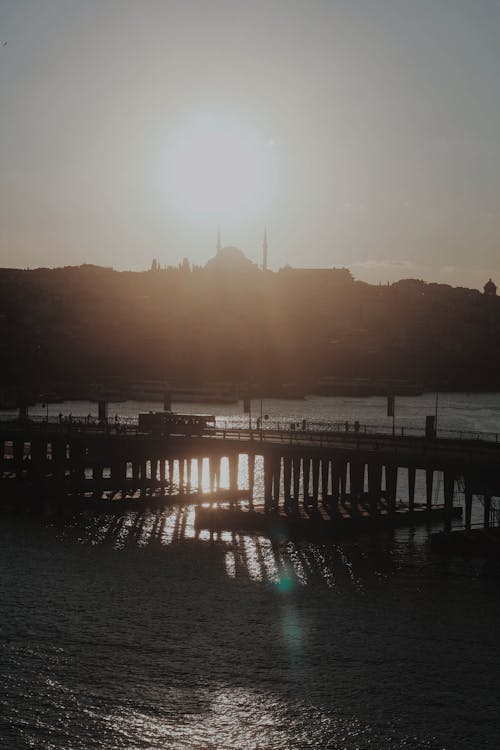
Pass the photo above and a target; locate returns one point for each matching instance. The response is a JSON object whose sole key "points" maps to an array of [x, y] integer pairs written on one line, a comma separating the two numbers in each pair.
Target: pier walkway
{"points": [[344, 473]]}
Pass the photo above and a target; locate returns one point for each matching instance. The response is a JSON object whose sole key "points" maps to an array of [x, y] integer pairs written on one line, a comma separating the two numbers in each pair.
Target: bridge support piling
{"points": [[335, 498], [342, 469], [374, 486], [58, 456], [487, 509], [468, 504], [35, 453], [199, 473], [118, 472], [170, 464], [357, 477], [449, 488], [78, 461], [175, 468], [18, 450], [268, 484], [391, 483], [217, 464], [233, 472], [135, 475], [296, 481], [230, 472], [178, 463], [161, 472], [97, 470], [276, 482], [411, 487], [429, 482], [251, 478], [182, 474], [306, 470], [287, 482], [325, 465], [212, 472], [315, 482]]}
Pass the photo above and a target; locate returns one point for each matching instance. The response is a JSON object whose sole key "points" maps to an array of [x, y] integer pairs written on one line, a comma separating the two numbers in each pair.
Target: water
{"points": [[130, 632], [455, 411]]}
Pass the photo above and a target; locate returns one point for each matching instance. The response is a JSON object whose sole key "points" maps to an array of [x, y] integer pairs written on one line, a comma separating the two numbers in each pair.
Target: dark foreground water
{"points": [[130, 633]]}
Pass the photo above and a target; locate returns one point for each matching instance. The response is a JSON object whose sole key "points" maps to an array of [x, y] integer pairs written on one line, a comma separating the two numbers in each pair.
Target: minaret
{"points": [[218, 241], [264, 251]]}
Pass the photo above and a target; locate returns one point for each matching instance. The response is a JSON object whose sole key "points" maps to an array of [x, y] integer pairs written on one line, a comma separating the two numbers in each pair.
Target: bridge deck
{"points": [[300, 467], [419, 450]]}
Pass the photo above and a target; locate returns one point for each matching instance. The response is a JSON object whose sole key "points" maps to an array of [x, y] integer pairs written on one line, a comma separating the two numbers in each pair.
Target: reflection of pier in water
{"points": [[254, 557], [313, 481]]}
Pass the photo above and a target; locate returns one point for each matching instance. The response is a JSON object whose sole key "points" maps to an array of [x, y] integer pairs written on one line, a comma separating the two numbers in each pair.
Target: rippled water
{"points": [[455, 411], [132, 632]]}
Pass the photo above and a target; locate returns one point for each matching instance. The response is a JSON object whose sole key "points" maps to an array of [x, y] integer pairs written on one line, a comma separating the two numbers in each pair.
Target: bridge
{"points": [[325, 472]]}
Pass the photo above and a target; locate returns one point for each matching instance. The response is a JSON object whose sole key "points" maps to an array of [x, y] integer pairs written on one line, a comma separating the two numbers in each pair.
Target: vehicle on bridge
{"points": [[170, 423]]}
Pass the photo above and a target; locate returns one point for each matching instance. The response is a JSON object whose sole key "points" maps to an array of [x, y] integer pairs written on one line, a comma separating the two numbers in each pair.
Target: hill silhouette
{"points": [[67, 327]]}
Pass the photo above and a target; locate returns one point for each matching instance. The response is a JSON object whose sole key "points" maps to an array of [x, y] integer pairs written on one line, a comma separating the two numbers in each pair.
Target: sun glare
{"points": [[218, 167]]}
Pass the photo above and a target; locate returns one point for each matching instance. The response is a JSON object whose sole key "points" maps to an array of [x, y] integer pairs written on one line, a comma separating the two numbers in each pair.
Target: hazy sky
{"points": [[363, 133]]}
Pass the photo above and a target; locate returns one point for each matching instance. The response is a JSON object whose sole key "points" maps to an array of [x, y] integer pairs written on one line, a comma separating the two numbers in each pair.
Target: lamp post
{"points": [[46, 405], [391, 410]]}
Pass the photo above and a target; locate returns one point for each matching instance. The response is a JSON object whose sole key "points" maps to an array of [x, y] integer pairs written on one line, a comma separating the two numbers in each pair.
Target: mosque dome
{"points": [[230, 258], [490, 288]]}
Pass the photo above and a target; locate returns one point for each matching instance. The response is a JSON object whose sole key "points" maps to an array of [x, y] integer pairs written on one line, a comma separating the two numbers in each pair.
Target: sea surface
{"points": [[130, 631]]}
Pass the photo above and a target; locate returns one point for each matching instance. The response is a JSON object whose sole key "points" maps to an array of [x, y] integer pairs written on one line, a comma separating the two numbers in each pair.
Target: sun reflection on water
{"points": [[267, 560], [285, 564], [236, 718], [230, 564], [253, 560]]}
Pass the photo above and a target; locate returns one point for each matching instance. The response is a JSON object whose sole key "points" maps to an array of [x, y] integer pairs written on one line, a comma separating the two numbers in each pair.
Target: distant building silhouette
{"points": [[318, 275], [490, 288], [230, 259]]}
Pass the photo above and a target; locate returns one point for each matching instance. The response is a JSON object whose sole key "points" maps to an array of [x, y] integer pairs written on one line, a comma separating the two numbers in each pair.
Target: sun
{"points": [[218, 167]]}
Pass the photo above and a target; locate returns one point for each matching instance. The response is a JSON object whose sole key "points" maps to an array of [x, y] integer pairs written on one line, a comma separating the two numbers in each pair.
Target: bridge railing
{"points": [[358, 441], [304, 428], [345, 427], [124, 425]]}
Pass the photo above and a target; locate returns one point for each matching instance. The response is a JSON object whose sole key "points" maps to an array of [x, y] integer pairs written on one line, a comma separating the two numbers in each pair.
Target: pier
{"points": [[315, 481]]}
